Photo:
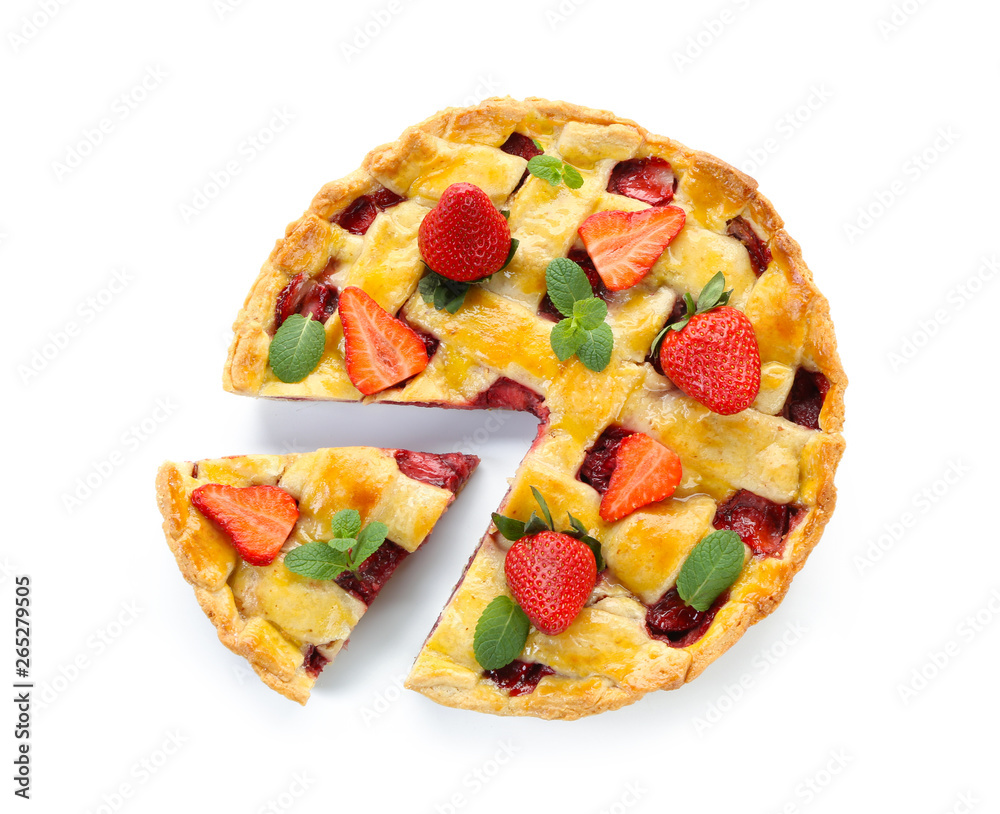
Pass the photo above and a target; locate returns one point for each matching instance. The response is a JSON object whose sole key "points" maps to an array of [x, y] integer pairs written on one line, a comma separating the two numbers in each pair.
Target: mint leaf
{"points": [[538, 144], [572, 176], [546, 167], [566, 283], [551, 169], [501, 633], [566, 339], [296, 348], [509, 527], [316, 561], [346, 523], [590, 313], [544, 507], [442, 293], [595, 350], [370, 538], [343, 544], [712, 566]]}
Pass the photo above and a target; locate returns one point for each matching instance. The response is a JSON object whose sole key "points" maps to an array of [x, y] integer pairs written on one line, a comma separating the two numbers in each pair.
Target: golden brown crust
{"points": [[265, 626], [798, 333]]}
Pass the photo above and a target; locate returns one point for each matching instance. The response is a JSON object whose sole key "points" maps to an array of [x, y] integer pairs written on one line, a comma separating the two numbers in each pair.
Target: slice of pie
{"points": [[233, 522], [645, 302]]}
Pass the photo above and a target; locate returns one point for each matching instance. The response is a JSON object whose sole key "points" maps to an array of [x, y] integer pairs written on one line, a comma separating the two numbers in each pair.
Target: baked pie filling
{"points": [[764, 472]]}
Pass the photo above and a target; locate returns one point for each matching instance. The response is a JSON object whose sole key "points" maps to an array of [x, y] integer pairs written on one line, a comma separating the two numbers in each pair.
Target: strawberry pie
{"points": [[644, 301], [286, 552]]}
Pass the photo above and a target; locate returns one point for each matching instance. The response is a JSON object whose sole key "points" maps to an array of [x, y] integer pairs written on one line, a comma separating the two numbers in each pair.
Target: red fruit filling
{"points": [[547, 309], [314, 661], [431, 342], [449, 471], [599, 462], [506, 394], [805, 399], [362, 210], [306, 296], [373, 573], [650, 180], [762, 524], [520, 145], [677, 624], [524, 147], [519, 677], [760, 255]]}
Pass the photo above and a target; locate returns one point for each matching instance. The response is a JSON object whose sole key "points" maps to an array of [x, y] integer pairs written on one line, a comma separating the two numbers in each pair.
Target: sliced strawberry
{"points": [[258, 519], [380, 350], [625, 245], [645, 472], [551, 576], [650, 180]]}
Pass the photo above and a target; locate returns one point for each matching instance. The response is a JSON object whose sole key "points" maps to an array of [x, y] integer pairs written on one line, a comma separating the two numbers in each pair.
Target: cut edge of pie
{"points": [[288, 627], [797, 336]]}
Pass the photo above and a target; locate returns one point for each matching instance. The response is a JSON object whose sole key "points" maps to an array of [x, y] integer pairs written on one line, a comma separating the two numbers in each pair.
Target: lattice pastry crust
{"points": [[288, 627]]}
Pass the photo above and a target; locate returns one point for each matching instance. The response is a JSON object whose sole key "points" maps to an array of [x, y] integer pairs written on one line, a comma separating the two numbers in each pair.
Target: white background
{"points": [[869, 689]]}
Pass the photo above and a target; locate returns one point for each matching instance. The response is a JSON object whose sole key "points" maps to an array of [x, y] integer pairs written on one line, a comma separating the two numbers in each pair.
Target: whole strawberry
{"points": [[551, 576], [711, 353], [464, 238]]}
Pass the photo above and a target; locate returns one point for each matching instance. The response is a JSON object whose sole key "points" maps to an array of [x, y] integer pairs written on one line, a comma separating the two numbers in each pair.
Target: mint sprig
{"points": [[712, 296], [501, 633], [449, 295], [296, 348], [350, 547], [514, 530], [555, 171], [583, 331], [712, 566]]}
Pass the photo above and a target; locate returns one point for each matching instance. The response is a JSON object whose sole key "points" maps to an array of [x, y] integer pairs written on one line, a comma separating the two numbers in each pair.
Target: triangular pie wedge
{"points": [[767, 471], [286, 626]]}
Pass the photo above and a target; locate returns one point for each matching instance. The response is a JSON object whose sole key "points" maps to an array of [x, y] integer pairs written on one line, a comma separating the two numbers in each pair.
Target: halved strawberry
{"points": [[625, 245], [258, 519], [380, 350], [645, 472], [551, 576]]}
